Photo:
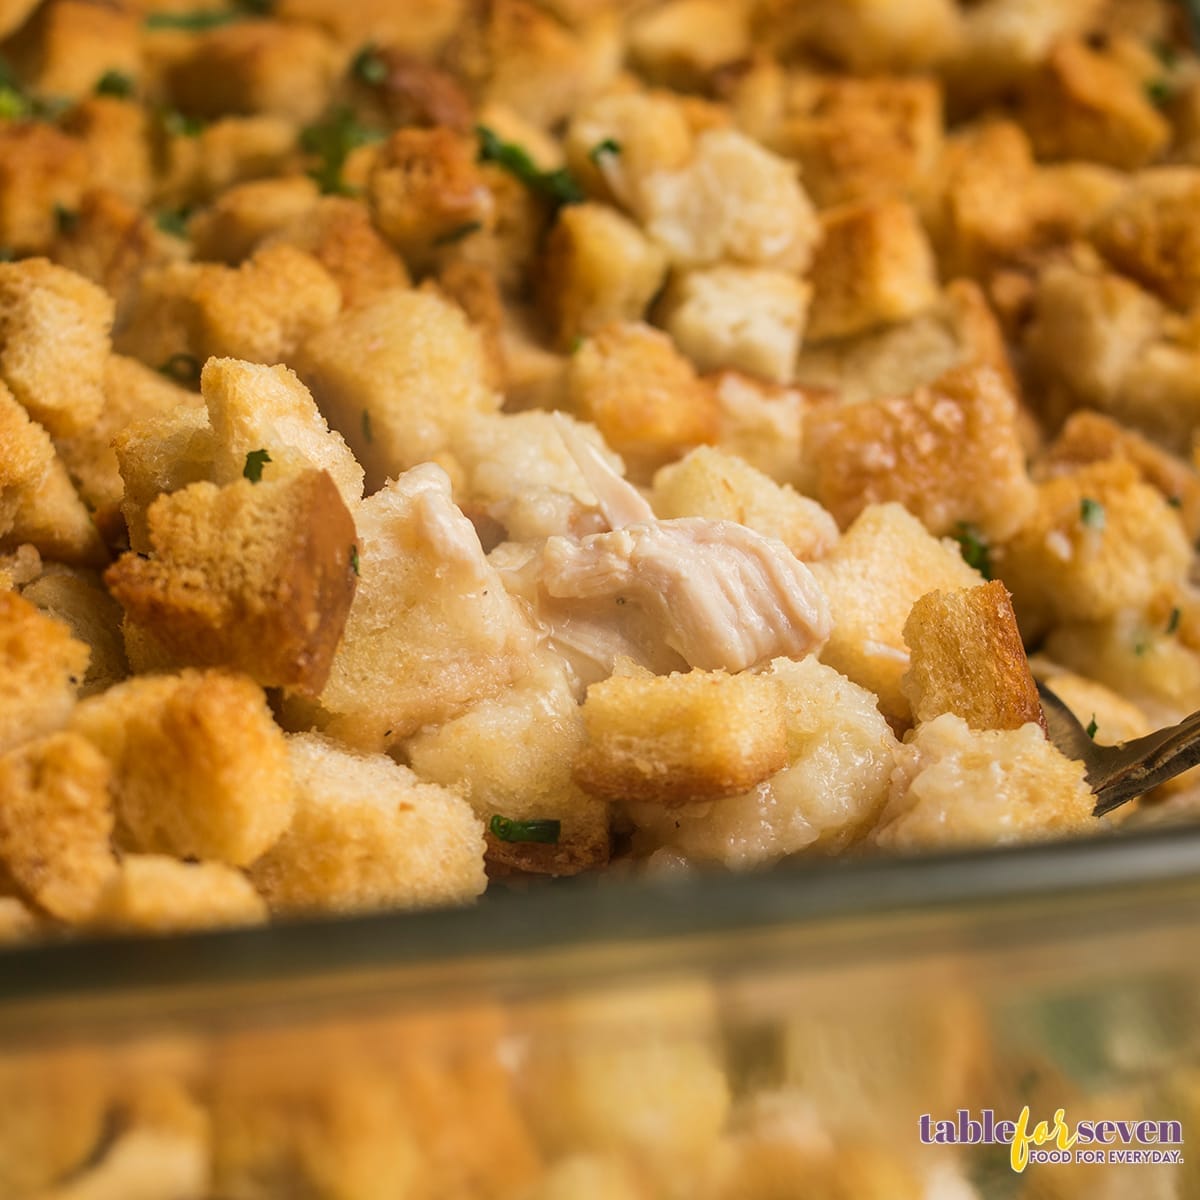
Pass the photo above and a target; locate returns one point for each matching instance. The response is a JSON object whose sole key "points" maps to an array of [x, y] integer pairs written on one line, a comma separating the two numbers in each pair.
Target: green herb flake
{"points": [[255, 461], [1175, 501], [354, 560], [1091, 513], [178, 124], [368, 434], [558, 186], [974, 548], [458, 233], [331, 142], [1140, 647], [1092, 727], [1167, 54], [369, 66], [508, 830], [174, 221], [193, 22], [13, 104], [115, 83], [67, 219], [1159, 92], [183, 368], [6, 254], [600, 149], [1173, 620]]}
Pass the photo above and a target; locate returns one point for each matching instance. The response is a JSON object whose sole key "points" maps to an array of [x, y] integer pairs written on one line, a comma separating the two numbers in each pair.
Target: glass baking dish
{"points": [[808, 1031]]}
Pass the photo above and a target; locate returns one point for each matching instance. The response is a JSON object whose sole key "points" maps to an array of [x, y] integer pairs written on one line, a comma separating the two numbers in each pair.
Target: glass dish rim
{"points": [[583, 914]]}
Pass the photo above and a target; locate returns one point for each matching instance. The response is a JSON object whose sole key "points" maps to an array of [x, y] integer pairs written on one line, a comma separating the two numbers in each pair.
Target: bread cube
{"points": [[41, 667], [872, 266], [13, 14], [369, 834], [958, 786], [18, 923], [116, 135], [761, 422], [338, 233], [1084, 104], [56, 819], [420, 28], [152, 893], [261, 311], [396, 378], [511, 756], [460, 639], [476, 290], [253, 407], [425, 186], [599, 267], [828, 794], [200, 769], [255, 67], [41, 170], [1150, 234], [1117, 719], [745, 318], [256, 576], [967, 658], [54, 340], [232, 226], [642, 394], [723, 487], [951, 453], [733, 200], [884, 563], [678, 44], [76, 598], [1098, 541]]}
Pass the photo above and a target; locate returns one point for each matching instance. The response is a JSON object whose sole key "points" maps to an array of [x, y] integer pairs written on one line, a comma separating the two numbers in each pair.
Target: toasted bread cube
{"points": [[13, 14], [884, 563], [54, 340], [681, 738], [1089, 437], [642, 394], [338, 233], [873, 266], [745, 318], [733, 200], [761, 422], [261, 311], [425, 186], [461, 638], [152, 893], [967, 658], [116, 133], [41, 667], [1098, 541], [255, 67], [254, 576], [17, 922], [1083, 104], [1150, 234], [200, 769], [1117, 719], [679, 43], [828, 794], [70, 44], [22, 566], [722, 487], [41, 170], [510, 756], [958, 786], [161, 454], [369, 834], [951, 453], [396, 378], [38, 505], [864, 138], [77, 598], [253, 407], [56, 820], [476, 290], [233, 225], [599, 267]]}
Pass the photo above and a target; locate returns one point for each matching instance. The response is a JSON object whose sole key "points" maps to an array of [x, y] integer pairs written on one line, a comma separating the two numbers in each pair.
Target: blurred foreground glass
{"points": [[788, 1035]]}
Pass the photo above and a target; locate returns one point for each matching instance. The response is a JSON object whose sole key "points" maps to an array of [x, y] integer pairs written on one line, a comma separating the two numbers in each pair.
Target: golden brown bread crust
{"points": [[256, 577]]}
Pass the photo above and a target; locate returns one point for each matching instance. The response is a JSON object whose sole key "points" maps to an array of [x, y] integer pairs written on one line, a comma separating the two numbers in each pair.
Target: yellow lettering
{"points": [[1041, 1133], [1064, 1139], [1019, 1154]]}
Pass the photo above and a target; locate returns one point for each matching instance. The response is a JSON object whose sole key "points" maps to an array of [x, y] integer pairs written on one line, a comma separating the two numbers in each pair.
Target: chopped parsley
{"points": [[67, 219], [458, 233], [369, 65], [331, 142], [600, 149], [183, 368], [1091, 513], [1092, 727], [575, 343], [197, 22], [354, 560], [174, 221], [508, 830], [368, 434], [1175, 501], [255, 461], [558, 186], [1159, 92], [13, 104], [178, 124], [115, 83], [974, 548], [1173, 620]]}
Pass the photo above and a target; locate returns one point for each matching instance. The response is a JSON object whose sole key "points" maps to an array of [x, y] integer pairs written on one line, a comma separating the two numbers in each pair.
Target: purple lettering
{"points": [[925, 1122], [970, 1133], [1085, 1132], [1170, 1132], [1104, 1132], [943, 1134], [1005, 1131], [1147, 1132]]}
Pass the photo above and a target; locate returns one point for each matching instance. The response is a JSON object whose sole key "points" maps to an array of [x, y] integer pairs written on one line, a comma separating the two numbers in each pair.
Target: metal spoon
{"points": [[1123, 772]]}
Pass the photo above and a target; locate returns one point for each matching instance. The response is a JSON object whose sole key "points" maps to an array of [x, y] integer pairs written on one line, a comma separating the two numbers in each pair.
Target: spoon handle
{"points": [[1135, 767]]}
